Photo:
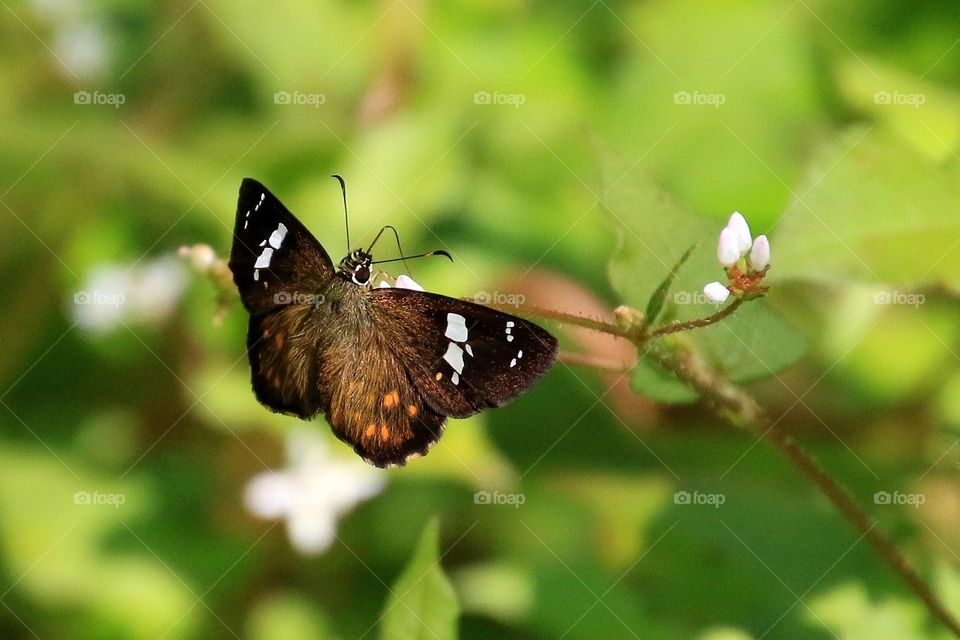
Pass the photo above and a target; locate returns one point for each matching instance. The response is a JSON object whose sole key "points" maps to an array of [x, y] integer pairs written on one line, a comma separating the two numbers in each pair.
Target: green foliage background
{"points": [[600, 179]]}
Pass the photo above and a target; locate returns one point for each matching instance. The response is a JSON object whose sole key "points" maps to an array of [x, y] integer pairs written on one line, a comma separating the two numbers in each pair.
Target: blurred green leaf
{"points": [[922, 114], [422, 603], [873, 209]]}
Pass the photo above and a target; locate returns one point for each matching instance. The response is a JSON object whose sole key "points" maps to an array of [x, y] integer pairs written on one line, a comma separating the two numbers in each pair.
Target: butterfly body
{"points": [[386, 366]]}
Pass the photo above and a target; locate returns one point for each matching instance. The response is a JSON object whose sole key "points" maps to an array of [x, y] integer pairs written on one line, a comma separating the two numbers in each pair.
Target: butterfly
{"points": [[385, 365]]}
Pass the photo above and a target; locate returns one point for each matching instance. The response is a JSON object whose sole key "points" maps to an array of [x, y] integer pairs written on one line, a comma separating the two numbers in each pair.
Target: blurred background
{"points": [[553, 149]]}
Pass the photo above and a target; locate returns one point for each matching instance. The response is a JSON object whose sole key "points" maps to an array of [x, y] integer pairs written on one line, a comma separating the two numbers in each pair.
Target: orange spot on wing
{"points": [[384, 431], [371, 429], [412, 410], [391, 400], [439, 375]]}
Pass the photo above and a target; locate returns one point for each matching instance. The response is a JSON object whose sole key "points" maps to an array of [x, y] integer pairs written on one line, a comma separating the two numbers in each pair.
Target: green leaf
{"points": [[655, 305], [655, 232], [873, 209], [422, 603]]}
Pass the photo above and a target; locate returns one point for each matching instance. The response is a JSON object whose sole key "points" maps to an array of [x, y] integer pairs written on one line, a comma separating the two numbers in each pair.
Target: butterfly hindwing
{"points": [[285, 363], [374, 405], [273, 254], [463, 357]]}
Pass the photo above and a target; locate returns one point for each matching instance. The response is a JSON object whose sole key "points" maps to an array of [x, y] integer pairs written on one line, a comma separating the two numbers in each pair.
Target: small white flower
{"points": [[202, 256], [716, 292], [113, 295], [738, 224], [760, 254], [313, 493], [728, 249], [403, 282]]}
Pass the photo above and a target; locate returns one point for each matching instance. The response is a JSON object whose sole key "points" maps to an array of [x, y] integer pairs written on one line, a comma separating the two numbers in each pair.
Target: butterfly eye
{"points": [[361, 275]]}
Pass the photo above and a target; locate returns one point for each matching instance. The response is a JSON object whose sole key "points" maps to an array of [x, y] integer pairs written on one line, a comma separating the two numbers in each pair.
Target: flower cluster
{"points": [[745, 260]]}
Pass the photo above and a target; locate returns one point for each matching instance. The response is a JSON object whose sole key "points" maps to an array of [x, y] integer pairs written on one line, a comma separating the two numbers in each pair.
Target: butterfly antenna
{"points": [[346, 218], [438, 252], [399, 248]]}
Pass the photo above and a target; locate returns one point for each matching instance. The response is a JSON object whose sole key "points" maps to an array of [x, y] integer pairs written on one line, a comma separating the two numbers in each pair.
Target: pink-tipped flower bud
{"points": [[406, 282]]}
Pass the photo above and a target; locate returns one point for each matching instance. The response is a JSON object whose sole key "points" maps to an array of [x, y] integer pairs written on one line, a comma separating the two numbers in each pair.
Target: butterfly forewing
{"points": [[274, 258], [463, 357]]}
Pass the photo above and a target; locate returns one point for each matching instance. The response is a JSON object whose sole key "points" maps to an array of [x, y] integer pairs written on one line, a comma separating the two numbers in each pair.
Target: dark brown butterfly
{"points": [[385, 365]]}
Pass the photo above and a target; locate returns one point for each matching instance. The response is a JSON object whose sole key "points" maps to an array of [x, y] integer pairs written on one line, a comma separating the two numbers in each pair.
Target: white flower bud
{"points": [[728, 250], [742, 230], [716, 292], [760, 254]]}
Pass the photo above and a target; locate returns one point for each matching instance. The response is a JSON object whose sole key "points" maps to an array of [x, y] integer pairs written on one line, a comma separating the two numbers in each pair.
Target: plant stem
{"points": [[740, 409], [674, 327]]}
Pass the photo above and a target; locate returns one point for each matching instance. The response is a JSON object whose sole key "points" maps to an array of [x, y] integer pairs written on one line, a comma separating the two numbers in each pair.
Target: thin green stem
{"points": [[740, 409]]}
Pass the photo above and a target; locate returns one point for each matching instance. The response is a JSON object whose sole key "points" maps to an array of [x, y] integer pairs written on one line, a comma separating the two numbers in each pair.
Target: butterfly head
{"points": [[356, 266]]}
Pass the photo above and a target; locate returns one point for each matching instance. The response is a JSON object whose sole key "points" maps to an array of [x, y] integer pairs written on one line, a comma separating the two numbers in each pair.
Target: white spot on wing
{"points": [[469, 350], [454, 357], [455, 379], [276, 238], [264, 260], [456, 327], [513, 362], [509, 338], [510, 323]]}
